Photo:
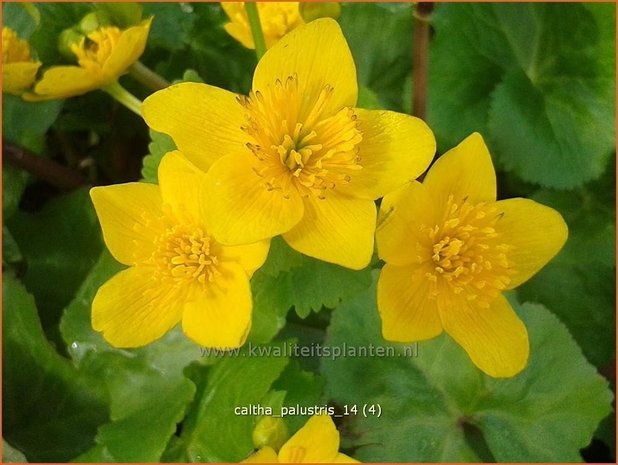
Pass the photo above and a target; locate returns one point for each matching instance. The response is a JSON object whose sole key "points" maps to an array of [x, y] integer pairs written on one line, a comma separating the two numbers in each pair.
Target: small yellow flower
{"points": [[451, 250], [316, 442], [276, 19], [178, 271], [18, 68], [102, 58], [295, 157]]}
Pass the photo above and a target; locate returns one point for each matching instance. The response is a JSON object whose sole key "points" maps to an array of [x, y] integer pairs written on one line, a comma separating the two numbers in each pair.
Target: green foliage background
{"points": [[537, 80]]}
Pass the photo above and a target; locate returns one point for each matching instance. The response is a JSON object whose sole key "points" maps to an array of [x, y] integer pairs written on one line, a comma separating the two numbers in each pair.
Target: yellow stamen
{"points": [[298, 143]]}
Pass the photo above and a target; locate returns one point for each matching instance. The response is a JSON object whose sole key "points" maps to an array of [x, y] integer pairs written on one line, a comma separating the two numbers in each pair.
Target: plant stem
{"points": [[421, 58], [256, 29], [124, 97], [43, 168], [144, 75]]}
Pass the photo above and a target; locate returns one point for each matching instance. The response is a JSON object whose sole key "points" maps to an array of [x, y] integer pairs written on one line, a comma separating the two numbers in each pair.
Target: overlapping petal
{"points": [[219, 315], [408, 311], [336, 229], [396, 148], [131, 217], [316, 442], [132, 309], [18, 77], [204, 121], [244, 209], [127, 51], [318, 55], [535, 232], [495, 338], [181, 184]]}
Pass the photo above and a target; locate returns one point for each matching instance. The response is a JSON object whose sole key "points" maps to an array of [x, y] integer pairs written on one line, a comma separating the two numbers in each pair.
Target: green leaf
{"points": [[289, 279], [10, 249], [123, 14], [579, 284], [147, 388], [160, 144], [25, 123], [171, 25], [50, 410], [212, 432], [534, 78], [20, 17], [379, 36], [546, 413], [14, 183], [62, 241]]}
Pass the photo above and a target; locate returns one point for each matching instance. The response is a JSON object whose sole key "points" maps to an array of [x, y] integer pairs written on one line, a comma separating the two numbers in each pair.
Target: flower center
{"points": [[186, 254], [298, 143], [14, 49], [466, 253], [93, 51]]}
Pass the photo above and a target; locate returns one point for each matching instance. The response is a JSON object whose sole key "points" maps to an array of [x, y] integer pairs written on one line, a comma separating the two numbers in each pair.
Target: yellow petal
{"points": [[264, 455], [396, 148], [318, 55], [181, 185], [250, 257], [65, 81], [17, 77], [203, 120], [337, 229], [130, 218], [495, 338], [404, 214], [342, 458], [242, 209], [133, 309], [464, 172], [316, 442], [220, 315], [407, 310], [127, 51], [536, 233]]}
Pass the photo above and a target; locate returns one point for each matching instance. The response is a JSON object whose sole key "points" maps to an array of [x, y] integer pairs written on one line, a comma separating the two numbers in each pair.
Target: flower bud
{"points": [[93, 21], [271, 432], [314, 10], [66, 39]]}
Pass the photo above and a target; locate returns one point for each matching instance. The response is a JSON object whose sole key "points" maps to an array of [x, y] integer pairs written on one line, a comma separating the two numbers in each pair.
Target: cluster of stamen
{"points": [[298, 143], [466, 253], [185, 254], [93, 51]]}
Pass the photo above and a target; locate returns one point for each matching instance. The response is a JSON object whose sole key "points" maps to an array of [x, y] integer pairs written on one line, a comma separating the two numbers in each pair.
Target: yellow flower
{"points": [[295, 157], [316, 442], [451, 250], [102, 58], [276, 19], [178, 271], [18, 68]]}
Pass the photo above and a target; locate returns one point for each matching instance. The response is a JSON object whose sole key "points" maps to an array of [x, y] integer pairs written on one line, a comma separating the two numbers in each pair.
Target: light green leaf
{"points": [[147, 388], [290, 279], [535, 79], [14, 183], [160, 144], [20, 17], [62, 241], [212, 432], [11, 455], [50, 411], [546, 413]]}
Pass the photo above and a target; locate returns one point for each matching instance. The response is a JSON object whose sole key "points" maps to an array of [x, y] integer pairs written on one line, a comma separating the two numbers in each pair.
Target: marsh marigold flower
{"points": [[276, 19], [102, 57], [18, 67], [316, 442], [178, 271], [451, 250], [295, 157]]}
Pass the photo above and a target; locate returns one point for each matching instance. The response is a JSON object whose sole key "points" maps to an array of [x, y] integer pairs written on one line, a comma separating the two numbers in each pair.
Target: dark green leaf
{"points": [[212, 431], [62, 241], [160, 144], [50, 411], [546, 413]]}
